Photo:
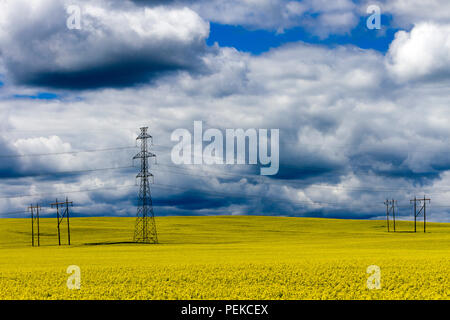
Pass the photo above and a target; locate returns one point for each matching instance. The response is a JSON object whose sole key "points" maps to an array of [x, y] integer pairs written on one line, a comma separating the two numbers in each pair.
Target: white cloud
{"points": [[423, 52], [409, 12], [319, 17]]}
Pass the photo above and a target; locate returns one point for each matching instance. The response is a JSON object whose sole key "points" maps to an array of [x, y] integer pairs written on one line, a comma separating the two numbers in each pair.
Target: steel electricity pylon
{"points": [[145, 229]]}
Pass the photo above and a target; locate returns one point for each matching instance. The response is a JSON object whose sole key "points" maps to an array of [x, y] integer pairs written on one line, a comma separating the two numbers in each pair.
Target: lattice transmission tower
{"points": [[145, 229]]}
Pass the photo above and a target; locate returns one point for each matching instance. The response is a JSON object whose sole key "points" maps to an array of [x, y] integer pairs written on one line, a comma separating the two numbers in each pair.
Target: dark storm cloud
{"points": [[115, 47], [123, 73], [9, 167], [195, 200]]}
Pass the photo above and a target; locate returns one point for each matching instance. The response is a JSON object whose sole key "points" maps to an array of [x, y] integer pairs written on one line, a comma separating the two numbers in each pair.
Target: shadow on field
{"points": [[116, 243], [111, 242], [402, 232]]}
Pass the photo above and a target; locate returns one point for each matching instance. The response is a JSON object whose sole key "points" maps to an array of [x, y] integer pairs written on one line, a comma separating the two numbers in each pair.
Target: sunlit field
{"points": [[226, 257]]}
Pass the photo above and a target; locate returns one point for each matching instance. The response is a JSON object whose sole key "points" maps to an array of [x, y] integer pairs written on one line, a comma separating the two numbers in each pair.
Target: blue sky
{"points": [[259, 41], [362, 113]]}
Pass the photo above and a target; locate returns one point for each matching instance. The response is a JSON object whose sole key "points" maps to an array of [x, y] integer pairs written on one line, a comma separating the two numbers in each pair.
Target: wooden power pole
{"points": [[64, 206], [34, 220], [422, 210]]}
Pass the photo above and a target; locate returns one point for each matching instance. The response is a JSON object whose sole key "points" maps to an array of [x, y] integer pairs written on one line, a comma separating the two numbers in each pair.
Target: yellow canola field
{"points": [[226, 257]]}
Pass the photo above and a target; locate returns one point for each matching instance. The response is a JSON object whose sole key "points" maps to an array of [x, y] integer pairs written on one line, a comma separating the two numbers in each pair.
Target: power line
{"points": [[327, 171], [183, 173], [324, 171], [284, 182], [65, 152], [330, 146], [196, 175], [351, 147], [242, 175], [254, 177], [68, 172], [159, 185], [74, 191], [312, 202], [65, 130], [223, 194]]}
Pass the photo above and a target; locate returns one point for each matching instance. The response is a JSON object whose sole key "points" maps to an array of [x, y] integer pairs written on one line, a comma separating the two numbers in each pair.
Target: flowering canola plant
{"points": [[226, 257]]}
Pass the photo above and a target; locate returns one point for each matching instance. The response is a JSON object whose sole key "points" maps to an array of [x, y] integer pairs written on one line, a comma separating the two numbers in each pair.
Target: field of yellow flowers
{"points": [[226, 257]]}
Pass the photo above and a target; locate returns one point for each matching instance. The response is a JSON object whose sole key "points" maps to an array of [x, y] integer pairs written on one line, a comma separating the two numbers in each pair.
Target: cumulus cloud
{"points": [[406, 13], [116, 46], [422, 53], [321, 18]]}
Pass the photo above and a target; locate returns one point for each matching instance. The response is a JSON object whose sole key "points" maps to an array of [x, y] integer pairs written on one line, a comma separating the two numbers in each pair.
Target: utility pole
{"points": [[390, 206], [394, 202], [67, 215], [32, 225], [59, 217], [387, 213], [145, 229], [34, 219], [422, 210]]}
